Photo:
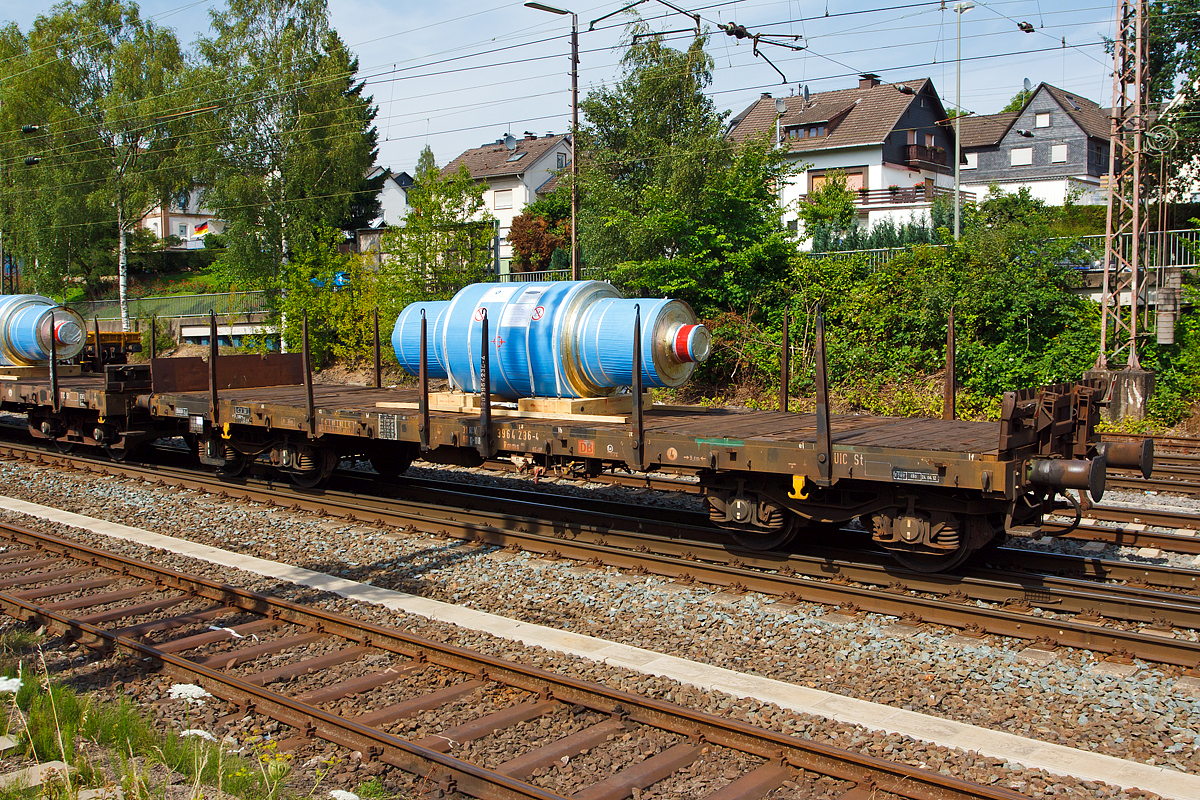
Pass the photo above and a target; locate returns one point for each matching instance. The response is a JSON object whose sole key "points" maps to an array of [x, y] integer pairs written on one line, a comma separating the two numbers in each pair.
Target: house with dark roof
{"points": [[393, 196], [1056, 145], [515, 177], [890, 139]]}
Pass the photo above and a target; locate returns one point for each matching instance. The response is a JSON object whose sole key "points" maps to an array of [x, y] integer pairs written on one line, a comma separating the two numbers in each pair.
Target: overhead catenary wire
{"points": [[370, 77], [379, 78], [424, 115]]}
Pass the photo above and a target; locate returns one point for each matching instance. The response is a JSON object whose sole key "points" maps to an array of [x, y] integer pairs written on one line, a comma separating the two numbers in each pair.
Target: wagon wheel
{"points": [[327, 461], [929, 562], [116, 453], [390, 464], [64, 447], [767, 540], [236, 463], [974, 533]]}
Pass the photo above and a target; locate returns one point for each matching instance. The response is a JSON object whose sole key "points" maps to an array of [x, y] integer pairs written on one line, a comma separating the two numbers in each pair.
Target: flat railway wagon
{"points": [[930, 491]]}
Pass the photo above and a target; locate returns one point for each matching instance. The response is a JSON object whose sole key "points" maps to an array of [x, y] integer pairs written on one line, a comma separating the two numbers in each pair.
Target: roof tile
{"points": [[870, 115], [496, 160]]}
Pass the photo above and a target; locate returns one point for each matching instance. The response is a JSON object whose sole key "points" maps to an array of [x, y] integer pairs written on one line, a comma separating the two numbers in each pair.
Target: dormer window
{"points": [[806, 132]]}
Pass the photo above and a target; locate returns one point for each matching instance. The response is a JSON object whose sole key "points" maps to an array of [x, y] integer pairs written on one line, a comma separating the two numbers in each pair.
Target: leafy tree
{"points": [[1173, 52], [425, 162], [365, 205], [100, 83], [446, 242], [286, 151], [829, 212], [533, 242], [669, 204], [1018, 101], [1011, 284], [541, 233], [338, 291]]}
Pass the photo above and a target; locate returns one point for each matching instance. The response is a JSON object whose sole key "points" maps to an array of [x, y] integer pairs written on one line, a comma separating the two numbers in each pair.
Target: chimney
{"points": [[867, 80], [765, 96]]}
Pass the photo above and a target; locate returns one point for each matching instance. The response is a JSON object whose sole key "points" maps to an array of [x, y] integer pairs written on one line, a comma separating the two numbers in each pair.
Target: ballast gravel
{"points": [[986, 682]]}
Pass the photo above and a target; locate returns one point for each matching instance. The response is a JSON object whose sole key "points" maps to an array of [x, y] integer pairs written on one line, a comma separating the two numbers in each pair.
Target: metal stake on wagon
{"points": [[423, 379], [824, 439], [639, 424], [308, 385], [784, 364], [378, 375], [215, 415], [485, 392], [98, 360], [948, 409]]}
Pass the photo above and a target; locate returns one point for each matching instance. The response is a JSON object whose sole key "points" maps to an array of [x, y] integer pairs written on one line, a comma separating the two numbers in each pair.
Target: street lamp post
{"points": [[960, 9], [576, 271]]}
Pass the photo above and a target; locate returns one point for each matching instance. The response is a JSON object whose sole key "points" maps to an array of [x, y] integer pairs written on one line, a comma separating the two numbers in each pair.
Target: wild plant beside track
{"points": [[115, 745]]}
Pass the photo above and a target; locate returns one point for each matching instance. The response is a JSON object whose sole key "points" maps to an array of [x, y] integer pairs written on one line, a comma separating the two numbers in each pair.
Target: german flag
{"points": [[202, 228]]}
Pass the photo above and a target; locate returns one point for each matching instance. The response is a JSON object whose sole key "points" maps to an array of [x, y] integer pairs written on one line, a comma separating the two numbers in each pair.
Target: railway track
{"points": [[399, 699], [1074, 610], [1178, 444]]}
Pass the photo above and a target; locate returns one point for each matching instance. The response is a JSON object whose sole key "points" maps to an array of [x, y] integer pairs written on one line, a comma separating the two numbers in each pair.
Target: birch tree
{"points": [[290, 146], [96, 89]]}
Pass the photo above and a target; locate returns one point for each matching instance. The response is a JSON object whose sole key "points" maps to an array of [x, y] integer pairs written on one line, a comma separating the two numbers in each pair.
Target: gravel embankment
{"points": [[985, 683]]}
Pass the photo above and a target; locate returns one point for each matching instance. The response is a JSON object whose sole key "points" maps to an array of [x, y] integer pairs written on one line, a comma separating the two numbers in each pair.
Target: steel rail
{"points": [[1096, 569], [1129, 537], [1154, 485], [792, 577], [867, 772], [1185, 443]]}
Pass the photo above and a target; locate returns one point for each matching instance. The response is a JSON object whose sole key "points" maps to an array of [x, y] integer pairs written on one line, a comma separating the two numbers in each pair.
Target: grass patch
{"points": [[52, 722]]}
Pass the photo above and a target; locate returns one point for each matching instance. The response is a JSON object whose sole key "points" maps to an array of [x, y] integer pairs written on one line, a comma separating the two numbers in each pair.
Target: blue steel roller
{"points": [[27, 321], [552, 339], [406, 337]]}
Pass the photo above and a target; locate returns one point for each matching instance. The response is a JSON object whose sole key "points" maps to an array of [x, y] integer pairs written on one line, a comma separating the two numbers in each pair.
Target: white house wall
{"points": [[393, 205], [842, 158], [524, 191], [880, 175], [1052, 191]]}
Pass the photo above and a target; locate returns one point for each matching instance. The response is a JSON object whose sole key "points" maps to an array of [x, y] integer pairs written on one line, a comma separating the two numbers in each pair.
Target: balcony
{"points": [[908, 195], [904, 195], [919, 156]]}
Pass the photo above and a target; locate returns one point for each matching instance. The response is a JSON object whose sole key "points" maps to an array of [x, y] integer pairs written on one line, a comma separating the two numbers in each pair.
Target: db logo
{"points": [[672, 454], [479, 314], [537, 313]]}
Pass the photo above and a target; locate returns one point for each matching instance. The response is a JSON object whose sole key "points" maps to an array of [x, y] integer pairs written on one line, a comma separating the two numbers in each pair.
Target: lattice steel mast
{"points": [[1123, 268]]}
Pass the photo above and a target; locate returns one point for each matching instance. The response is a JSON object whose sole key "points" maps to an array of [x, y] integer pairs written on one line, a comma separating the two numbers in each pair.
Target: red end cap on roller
{"points": [[692, 343]]}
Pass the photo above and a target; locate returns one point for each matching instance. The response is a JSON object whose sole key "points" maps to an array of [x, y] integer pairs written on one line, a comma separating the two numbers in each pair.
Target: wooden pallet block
{"points": [[453, 401], [38, 373], [544, 408], [586, 406]]}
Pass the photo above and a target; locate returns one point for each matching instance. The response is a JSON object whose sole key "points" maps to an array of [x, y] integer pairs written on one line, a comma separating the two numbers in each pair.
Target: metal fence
{"points": [[177, 305], [545, 275], [1165, 248], [873, 259]]}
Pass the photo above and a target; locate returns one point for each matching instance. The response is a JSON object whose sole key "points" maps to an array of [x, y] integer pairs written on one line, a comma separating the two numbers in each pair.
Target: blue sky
{"points": [[458, 73]]}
